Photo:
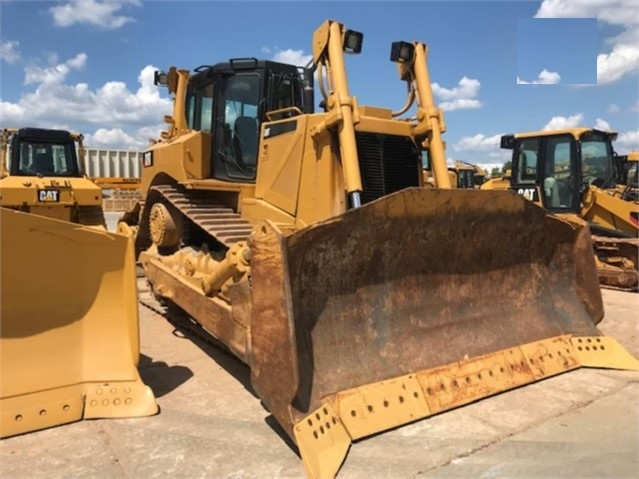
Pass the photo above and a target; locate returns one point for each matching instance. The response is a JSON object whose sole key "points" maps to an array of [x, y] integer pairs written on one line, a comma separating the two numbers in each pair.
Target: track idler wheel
{"points": [[163, 227]]}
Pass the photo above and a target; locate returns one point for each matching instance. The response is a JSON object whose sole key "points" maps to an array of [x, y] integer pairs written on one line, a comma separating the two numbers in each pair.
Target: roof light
{"points": [[402, 52], [353, 41], [160, 78]]}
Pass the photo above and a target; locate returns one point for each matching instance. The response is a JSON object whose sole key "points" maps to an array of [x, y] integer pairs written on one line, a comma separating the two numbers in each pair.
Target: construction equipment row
{"points": [[309, 244]]}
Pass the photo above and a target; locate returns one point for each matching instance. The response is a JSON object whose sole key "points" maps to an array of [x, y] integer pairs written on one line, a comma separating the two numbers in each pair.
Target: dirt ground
{"points": [[580, 424]]}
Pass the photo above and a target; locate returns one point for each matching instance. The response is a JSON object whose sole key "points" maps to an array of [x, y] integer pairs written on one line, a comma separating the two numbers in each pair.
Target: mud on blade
{"points": [[413, 281]]}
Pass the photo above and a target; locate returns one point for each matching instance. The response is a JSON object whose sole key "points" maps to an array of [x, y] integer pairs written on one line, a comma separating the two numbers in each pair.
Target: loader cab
{"points": [[554, 169], [232, 100], [41, 152], [626, 169], [465, 177]]}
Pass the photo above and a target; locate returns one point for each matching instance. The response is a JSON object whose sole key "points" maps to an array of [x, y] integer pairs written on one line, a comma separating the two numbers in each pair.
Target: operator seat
{"points": [[551, 192], [43, 163]]}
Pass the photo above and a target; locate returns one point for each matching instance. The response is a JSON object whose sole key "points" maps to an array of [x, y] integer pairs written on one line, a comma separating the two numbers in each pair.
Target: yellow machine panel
{"points": [[312, 249], [69, 343]]}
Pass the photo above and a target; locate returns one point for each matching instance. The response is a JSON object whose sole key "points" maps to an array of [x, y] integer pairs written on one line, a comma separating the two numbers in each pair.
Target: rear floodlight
{"points": [[160, 78], [402, 52], [353, 41]]}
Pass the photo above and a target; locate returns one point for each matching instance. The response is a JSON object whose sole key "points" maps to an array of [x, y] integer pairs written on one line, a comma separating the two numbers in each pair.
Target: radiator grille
{"points": [[388, 163]]}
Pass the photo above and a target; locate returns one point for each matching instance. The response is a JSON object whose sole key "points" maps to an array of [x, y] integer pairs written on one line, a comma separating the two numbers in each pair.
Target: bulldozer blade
{"points": [[69, 332], [416, 303]]}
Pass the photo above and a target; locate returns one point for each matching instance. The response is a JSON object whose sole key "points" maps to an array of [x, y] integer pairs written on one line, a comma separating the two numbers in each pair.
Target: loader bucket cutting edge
{"points": [[69, 344], [325, 435], [413, 281]]}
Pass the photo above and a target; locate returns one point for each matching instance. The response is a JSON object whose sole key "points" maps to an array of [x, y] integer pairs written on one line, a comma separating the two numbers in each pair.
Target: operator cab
{"points": [[465, 178], [555, 169], [41, 152], [231, 100]]}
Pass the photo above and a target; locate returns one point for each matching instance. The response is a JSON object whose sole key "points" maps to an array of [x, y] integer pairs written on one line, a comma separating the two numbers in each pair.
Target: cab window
{"points": [[238, 128], [557, 186], [527, 161], [46, 159], [596, 161], [199, 108]]}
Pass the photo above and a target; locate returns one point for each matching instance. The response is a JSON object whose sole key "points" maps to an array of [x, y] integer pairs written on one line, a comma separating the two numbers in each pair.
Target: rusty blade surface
{"points": [[412, 281]]}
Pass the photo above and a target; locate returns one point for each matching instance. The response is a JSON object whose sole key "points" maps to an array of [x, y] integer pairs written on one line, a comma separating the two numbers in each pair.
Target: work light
{"points": [[160, 78], [353, 41], [402, 52]]}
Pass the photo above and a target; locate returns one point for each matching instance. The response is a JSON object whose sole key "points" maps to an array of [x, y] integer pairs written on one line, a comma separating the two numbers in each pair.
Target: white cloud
{"points": [[602, 125], [119, 139], [468, 88], [615, 12], [9, 51], [103, 137], [122, 116], [8, 111], [489, 167], [478, 142], [545, 78], [623, 58], [627, 141], [460, 97], [101, 13], [563, 122], [292, 57], [54, 74], [613, 108]]}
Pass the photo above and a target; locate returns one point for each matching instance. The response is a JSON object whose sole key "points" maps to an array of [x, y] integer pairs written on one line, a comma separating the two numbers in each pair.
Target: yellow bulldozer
{"points": [[306, 242], [575, 173], [461, 173], [69, 338]]}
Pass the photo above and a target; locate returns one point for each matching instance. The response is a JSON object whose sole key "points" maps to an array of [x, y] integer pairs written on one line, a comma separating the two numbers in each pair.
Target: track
{"points": [[217, 220], [617, 262]]}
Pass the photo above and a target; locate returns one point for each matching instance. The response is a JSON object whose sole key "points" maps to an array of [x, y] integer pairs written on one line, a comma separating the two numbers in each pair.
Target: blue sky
{"points": [[88, 65], [542, 45]]}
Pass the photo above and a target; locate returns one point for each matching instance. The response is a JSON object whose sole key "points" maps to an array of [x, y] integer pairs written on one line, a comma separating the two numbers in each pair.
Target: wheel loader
{"points": [[628, 176], [574, 173], [69, 342], [306, 243]]}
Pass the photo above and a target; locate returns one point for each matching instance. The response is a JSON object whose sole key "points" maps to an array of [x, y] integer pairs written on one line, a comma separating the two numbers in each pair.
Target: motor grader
{"points": [[306, 242], [69, 342], [573, 173]]}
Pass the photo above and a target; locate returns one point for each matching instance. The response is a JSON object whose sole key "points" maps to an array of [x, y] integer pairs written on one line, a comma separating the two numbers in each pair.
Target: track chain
{"points": [[219, 221]]}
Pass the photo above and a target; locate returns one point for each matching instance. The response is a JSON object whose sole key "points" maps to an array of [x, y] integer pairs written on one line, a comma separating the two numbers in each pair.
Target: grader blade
{"points": [[69, 343], [413, 304]]}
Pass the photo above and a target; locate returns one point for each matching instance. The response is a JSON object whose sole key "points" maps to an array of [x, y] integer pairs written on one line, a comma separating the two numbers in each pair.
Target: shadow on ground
{"points": [[161, 377]]}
